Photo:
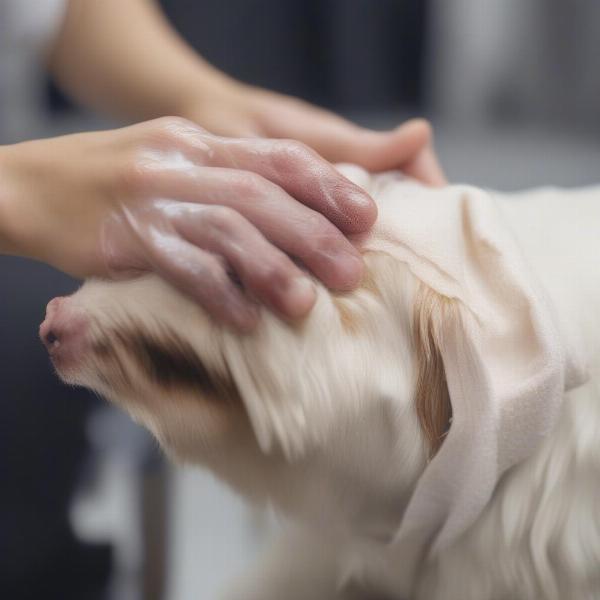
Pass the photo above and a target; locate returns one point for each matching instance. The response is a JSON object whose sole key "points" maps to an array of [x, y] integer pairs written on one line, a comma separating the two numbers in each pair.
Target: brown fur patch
{"points": [[105, 351], [432, 399], [169, 361]]}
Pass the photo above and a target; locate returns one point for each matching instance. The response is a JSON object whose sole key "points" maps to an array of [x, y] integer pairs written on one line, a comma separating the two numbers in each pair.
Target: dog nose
{"points": [[63, 329], [48, 329], [51, 339]]}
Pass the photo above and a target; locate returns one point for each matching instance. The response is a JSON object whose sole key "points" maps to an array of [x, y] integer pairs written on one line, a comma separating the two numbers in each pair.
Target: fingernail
{"points": [[364, 213], [361, 199], [299, 297]]}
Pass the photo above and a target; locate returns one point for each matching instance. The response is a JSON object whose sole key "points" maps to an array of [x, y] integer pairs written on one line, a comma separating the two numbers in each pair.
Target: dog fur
{"points": [[332, 421]]}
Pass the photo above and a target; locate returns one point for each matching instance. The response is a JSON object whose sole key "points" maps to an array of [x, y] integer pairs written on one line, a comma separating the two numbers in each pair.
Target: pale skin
{"points": [[174, 195]]}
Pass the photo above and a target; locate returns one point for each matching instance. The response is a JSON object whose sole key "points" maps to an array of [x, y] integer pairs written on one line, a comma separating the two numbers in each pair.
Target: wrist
{"points": [[22, 223], [9, 238]]}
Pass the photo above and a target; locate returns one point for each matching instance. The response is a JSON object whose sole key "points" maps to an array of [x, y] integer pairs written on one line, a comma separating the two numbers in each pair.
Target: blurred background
{"points": [[88, 507]]}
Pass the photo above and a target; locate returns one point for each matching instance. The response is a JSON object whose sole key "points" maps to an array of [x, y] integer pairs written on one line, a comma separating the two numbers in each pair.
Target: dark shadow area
{"points": [[42, 451]]}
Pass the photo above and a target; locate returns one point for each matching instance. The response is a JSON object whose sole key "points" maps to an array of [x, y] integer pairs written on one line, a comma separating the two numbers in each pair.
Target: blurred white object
{"points": [[107, 509], [524, 59], [26, 29], [213, 536], [466, 54]]}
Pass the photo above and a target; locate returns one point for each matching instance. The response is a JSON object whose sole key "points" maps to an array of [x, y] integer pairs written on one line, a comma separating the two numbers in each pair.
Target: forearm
{"points": [[125, 59], [42, 190]]}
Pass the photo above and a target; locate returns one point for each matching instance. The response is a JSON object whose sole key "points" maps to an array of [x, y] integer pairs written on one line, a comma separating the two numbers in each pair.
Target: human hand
{"points": [[167, 196], [163, 75], [246, 111]]}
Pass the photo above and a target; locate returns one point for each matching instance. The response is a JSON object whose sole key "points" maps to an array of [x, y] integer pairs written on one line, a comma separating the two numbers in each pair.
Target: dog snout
{"points": [[63, 331]]}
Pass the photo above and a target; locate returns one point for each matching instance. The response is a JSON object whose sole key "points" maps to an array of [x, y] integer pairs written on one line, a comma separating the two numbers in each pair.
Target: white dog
{"points": [[433, 435]]}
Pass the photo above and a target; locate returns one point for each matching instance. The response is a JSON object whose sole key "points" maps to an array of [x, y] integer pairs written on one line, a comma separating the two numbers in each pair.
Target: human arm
{"points": [[124, 58]]}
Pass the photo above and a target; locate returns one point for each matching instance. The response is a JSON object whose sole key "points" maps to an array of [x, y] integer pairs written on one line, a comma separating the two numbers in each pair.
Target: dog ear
{"points": [[432, 398]]}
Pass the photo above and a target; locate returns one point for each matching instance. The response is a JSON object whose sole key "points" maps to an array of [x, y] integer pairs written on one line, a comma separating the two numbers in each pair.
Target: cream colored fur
{"points": [[327, 429]]}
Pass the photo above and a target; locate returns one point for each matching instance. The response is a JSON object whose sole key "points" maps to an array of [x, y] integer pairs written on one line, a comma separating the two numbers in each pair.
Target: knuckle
{"points": [[273, 272], [248, 183], [213, 270], [134, 175], [297, 150], [171, 123], [321, 236], [221, 218], [319, 228], [170, 130], [289, 153]]}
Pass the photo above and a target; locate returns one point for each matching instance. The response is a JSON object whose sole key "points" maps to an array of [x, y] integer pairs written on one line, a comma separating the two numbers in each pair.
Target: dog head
{"points": [[336, 415]]}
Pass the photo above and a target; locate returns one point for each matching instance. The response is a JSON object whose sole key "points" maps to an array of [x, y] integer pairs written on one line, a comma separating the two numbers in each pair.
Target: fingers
{"points": [[378, 150], [408, 147], [264, 271], [203, 277], [135, 240], [211, 253], [393, 149], [294, 228], [426, 167], [306, 176], [316, 183]]}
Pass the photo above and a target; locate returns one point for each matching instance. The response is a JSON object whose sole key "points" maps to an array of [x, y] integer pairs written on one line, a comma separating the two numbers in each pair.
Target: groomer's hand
{"points": [[212, 215], [247, 111]]}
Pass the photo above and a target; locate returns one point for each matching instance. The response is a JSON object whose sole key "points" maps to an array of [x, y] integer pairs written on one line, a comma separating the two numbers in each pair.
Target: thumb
{"points": [[382, 151], [408, 147], [425, 167]]}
